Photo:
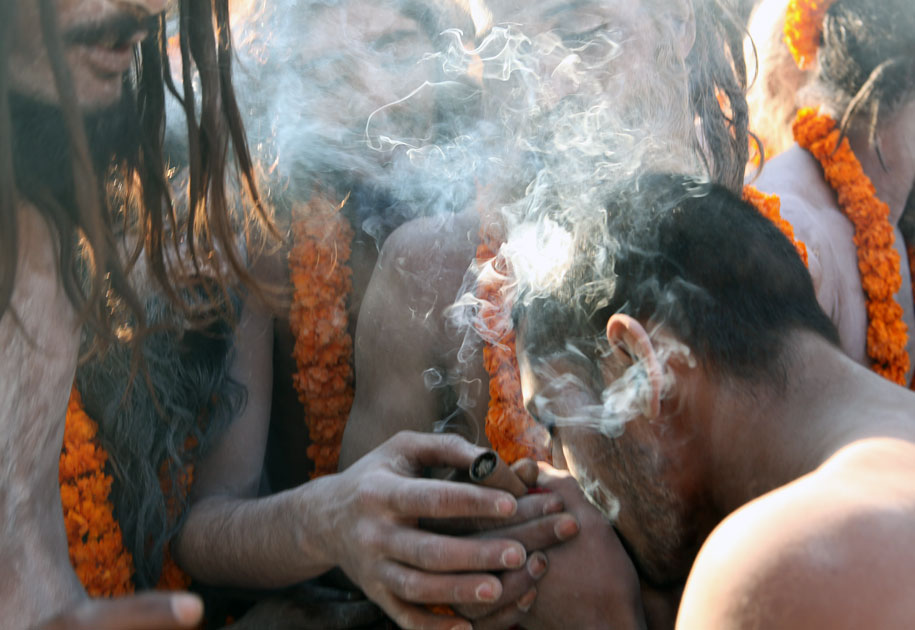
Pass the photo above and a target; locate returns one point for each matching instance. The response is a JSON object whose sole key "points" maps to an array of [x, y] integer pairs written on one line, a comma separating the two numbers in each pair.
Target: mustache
{"points": [[117, 30]]}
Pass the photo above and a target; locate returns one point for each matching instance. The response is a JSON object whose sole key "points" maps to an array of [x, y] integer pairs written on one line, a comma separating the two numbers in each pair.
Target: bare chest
{"points": [[39, 345]]}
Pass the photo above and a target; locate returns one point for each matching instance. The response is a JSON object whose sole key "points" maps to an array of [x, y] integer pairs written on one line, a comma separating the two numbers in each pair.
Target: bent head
{"points": [[687, 285], [866, 60], [98, 39]]}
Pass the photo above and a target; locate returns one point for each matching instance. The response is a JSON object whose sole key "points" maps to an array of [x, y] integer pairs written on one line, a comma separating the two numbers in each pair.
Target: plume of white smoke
{"points": [[531, 122], [574, 115]]}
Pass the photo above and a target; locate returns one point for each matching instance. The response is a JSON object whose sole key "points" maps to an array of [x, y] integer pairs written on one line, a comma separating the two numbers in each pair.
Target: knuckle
{"points": [[454, 442], [407, 621], [430, 554], [369, 535], [368, 495], [411, 587], [397, 440]]}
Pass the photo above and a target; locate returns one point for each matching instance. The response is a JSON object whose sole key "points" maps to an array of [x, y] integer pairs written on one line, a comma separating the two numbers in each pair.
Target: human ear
{"points": [[629, 338]]}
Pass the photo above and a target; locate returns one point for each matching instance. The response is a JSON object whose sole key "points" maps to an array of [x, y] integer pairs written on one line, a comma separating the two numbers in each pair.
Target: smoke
{"points": [[567, 385], [572, 110], [399, 98], [526, 112]]}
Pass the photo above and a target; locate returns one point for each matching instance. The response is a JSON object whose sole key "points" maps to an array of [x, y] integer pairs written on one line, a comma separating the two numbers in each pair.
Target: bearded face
{"points": [[98, 39]]}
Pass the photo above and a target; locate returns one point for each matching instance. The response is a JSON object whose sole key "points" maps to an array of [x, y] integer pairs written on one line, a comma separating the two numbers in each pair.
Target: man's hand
{"points": [[373, 535], [147, 611], [587, 582]]}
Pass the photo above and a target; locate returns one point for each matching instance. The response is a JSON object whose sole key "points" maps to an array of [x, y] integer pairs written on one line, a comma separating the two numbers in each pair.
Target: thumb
{"points": [[146, 611]]}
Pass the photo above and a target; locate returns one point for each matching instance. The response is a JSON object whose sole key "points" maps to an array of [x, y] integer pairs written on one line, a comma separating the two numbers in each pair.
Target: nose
{"points": [[152, 7]]}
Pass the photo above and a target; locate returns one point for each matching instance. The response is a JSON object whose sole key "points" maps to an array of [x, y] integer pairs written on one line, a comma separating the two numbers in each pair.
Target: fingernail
{"points": [[566, 528], [527, 600], [188, 609], [552, 506], [513, 557], [486, 592], [506, 507], [536, 566]]}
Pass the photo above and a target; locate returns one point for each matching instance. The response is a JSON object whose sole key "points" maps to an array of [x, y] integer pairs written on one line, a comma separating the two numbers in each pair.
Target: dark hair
{"points": [[696, 258], [716, 67], [127, 199], [867, 56], [185, 380]]}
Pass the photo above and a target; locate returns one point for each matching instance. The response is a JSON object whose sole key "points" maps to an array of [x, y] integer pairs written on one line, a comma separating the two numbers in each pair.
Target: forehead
{"points": [[559, 385], [359, 21], [563, 13]]}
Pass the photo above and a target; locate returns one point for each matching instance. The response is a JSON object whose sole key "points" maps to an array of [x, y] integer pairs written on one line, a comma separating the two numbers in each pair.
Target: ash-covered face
{"points": [[98, 38], [365, 58], [619, 462], [624, 57]]}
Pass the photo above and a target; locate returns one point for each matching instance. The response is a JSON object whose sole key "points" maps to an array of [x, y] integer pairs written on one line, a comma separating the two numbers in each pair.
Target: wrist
{"points": [[317, 524]]}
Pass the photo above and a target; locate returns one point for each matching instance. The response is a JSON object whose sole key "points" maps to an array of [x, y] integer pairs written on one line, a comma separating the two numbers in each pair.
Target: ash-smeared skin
{"points": [[39, 347], [37, 360]]}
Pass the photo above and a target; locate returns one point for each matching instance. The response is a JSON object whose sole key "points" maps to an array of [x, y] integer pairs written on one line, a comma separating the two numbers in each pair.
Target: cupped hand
{"points": [[372, 530], [589, 580], [146, 611]]}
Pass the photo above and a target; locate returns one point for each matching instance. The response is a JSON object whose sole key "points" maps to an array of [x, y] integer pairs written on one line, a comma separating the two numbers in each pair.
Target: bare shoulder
{"points": [[405, 352], [809, 205], [833, 549], [419, 274], [793, 172], [429, 250]]}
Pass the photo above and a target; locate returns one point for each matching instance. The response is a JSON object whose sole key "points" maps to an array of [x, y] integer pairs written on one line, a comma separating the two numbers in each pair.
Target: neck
{"points": [[893, 179], [764, 437]]}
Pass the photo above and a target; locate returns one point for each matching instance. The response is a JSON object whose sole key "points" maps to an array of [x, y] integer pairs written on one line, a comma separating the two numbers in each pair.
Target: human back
{"points": [[833, 548]]}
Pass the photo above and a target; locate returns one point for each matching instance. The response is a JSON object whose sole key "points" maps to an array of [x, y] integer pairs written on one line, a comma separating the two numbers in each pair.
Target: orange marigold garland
{"points": [[510, 429], [97, 552], [173, 577], [803, 26], [321, 282], [770, 207], [878, 261], [910, 251]]}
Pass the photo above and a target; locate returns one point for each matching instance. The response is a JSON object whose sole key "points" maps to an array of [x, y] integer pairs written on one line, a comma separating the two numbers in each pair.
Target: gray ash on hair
{"points": [[155, 422]]}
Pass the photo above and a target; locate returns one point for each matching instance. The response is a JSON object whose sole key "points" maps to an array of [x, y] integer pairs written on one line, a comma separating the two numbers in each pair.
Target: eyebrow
{"points": [[394, 36], [565, 7]]}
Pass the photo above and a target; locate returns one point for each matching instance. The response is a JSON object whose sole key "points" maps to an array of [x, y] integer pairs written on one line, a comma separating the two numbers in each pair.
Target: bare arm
{"points": [[401, 339], [364, 520], [218, 543]]}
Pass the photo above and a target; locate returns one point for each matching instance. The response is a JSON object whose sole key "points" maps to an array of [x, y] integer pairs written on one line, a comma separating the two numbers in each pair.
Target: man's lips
{"points": [[103, 60]]}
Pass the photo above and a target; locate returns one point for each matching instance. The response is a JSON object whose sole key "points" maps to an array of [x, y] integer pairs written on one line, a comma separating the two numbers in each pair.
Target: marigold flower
{"points": [[510, 429], [803, 27], [878, 260], [101, 562], [319, 320]]}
